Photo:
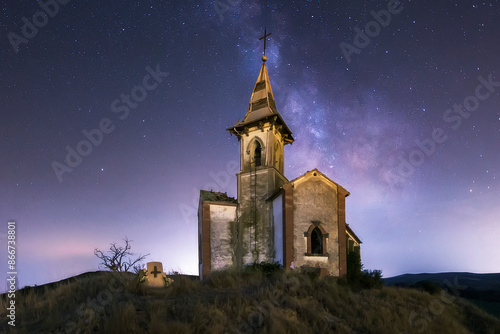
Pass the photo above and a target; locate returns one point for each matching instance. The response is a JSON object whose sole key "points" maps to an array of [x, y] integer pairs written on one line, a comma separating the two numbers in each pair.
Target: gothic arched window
{"points": [[316, 241], [257, 154]]}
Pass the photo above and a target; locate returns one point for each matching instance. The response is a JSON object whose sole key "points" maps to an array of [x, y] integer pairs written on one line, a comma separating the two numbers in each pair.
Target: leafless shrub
{"points": [[120, 258]]}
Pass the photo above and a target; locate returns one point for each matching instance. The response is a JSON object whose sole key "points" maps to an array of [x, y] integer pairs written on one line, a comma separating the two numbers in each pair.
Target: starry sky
{"points": [[398, 103]]}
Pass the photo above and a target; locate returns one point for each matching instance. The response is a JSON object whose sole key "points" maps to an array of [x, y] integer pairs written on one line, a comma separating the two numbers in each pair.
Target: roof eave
{"points": [[348, 228], [237, 128]]}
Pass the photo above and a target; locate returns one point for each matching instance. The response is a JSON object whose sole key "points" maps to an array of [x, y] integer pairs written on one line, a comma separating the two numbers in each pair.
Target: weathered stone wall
{"points": [[315, 199], [204, 238], [256, 226], [256, 184], [342, 193], [222, 217]]}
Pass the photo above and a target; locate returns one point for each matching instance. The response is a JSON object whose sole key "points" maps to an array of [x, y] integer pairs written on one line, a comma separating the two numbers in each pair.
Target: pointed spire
{"points": [[262, 106], [262, 101]]}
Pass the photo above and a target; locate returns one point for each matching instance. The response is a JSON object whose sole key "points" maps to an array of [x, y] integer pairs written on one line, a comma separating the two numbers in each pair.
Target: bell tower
{"points": [[263, 135]]}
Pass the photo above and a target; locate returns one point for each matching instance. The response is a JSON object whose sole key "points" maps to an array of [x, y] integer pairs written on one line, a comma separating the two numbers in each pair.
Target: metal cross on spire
{"points": [[264, 58]]}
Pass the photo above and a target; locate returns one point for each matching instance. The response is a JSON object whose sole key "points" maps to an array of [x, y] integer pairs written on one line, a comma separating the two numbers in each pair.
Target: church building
{"points": [[299, 223]]}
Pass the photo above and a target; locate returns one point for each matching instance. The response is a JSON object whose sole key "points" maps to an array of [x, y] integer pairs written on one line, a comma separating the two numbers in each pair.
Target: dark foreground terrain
{"points": [[248, 302], [480, 289]]}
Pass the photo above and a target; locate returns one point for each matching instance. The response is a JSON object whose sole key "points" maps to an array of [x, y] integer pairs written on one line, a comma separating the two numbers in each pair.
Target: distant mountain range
{"points": [[481, 289], [480, 282]]}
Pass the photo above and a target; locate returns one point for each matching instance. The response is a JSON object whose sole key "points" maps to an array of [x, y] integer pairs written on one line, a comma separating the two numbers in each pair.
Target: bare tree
{"points": [[119, 258]]}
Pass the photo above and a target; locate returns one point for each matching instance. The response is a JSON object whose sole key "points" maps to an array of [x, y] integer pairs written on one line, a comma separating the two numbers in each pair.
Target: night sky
{"points": [[407, 120]]}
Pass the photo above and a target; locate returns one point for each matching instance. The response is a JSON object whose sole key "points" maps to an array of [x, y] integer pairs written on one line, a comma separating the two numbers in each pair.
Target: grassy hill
{"points": [[247, 302], [480, 289]]}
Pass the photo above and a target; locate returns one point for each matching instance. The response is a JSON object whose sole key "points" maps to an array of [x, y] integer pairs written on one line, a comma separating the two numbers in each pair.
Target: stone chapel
{"points": [[299, 223]]}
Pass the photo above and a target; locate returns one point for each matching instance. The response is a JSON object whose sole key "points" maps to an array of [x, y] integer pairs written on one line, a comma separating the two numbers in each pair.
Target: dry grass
{"points": [[232, 302]]}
